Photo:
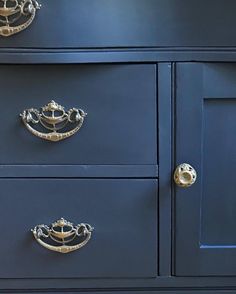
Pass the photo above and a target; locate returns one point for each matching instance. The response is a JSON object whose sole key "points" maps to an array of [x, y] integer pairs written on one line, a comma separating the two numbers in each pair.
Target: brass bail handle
{"points": [[185, 175], [16, 15], [52, 122], [63, 236]]}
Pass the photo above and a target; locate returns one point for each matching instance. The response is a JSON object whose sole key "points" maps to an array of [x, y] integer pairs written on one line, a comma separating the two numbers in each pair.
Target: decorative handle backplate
{"points": [[185, 175], [16, 15], [61, 234], [53, 122]]}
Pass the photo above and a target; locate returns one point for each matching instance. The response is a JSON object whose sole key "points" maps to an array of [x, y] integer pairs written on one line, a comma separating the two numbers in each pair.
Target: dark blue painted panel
{"points": [[79, 171], [218, 219], [168, 283], [165, 161], [129, 23], [146, 292], [39, 56], [123, 212], [120, 101], [205, 128]]}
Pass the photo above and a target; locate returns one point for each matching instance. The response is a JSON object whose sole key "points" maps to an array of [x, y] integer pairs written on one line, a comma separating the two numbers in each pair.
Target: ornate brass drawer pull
{"points": [[53, 119], [185, 175], [12, 12], [63, 233]]}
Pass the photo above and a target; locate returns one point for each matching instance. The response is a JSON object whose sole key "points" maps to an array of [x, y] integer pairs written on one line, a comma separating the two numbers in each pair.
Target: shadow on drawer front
{"points": [[120, 102], [122, 212]]}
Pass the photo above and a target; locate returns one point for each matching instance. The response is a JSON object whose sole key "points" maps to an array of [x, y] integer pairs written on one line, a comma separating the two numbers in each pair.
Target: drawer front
{"points": [[120, 102], [122, 212], [130, 23]]}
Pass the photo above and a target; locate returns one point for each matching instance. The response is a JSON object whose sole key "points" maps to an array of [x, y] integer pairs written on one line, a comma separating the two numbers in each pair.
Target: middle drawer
{"points": [[120, 101]]}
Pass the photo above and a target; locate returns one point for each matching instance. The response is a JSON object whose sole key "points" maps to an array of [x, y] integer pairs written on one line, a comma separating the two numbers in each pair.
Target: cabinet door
{"points": [[205, 213]]}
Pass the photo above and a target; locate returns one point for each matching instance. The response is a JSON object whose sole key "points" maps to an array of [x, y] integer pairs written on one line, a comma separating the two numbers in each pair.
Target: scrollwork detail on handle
{"points": [[53, 119], [13, 12], [62, 235]]}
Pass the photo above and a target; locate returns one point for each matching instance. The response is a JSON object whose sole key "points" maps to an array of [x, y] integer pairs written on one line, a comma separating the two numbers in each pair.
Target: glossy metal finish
{"points": [[63, 233], [17, 17], [53, 118], [185, 175]]}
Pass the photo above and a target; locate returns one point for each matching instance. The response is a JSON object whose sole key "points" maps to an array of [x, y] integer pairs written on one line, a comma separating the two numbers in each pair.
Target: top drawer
{"points": [[129, 23]]}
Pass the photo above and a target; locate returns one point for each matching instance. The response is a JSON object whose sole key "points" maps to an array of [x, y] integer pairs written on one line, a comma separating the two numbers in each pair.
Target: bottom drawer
{"points": [[123, 213]]}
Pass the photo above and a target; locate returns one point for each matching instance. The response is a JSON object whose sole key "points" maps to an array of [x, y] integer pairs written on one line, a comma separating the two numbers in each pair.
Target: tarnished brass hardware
{"points": [[185, 175], [63, 233], [16, 15], [53, 119]]}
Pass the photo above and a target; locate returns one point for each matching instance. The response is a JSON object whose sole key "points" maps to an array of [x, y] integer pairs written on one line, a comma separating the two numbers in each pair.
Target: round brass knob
{"points": [[185, 175]]}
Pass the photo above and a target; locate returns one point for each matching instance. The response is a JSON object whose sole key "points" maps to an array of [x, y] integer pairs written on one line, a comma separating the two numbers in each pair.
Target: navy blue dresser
{"points": [[117, 150]]}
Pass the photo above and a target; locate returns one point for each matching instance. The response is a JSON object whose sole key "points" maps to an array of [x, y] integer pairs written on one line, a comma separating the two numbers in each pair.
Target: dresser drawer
{"points": [[120, 102], [123, 213], [129, 23]]}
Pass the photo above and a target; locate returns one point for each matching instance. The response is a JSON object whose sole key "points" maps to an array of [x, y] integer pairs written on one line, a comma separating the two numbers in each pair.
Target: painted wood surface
{"points": [[123, 213], [120, 101], [205, 212], [130, 23]]}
